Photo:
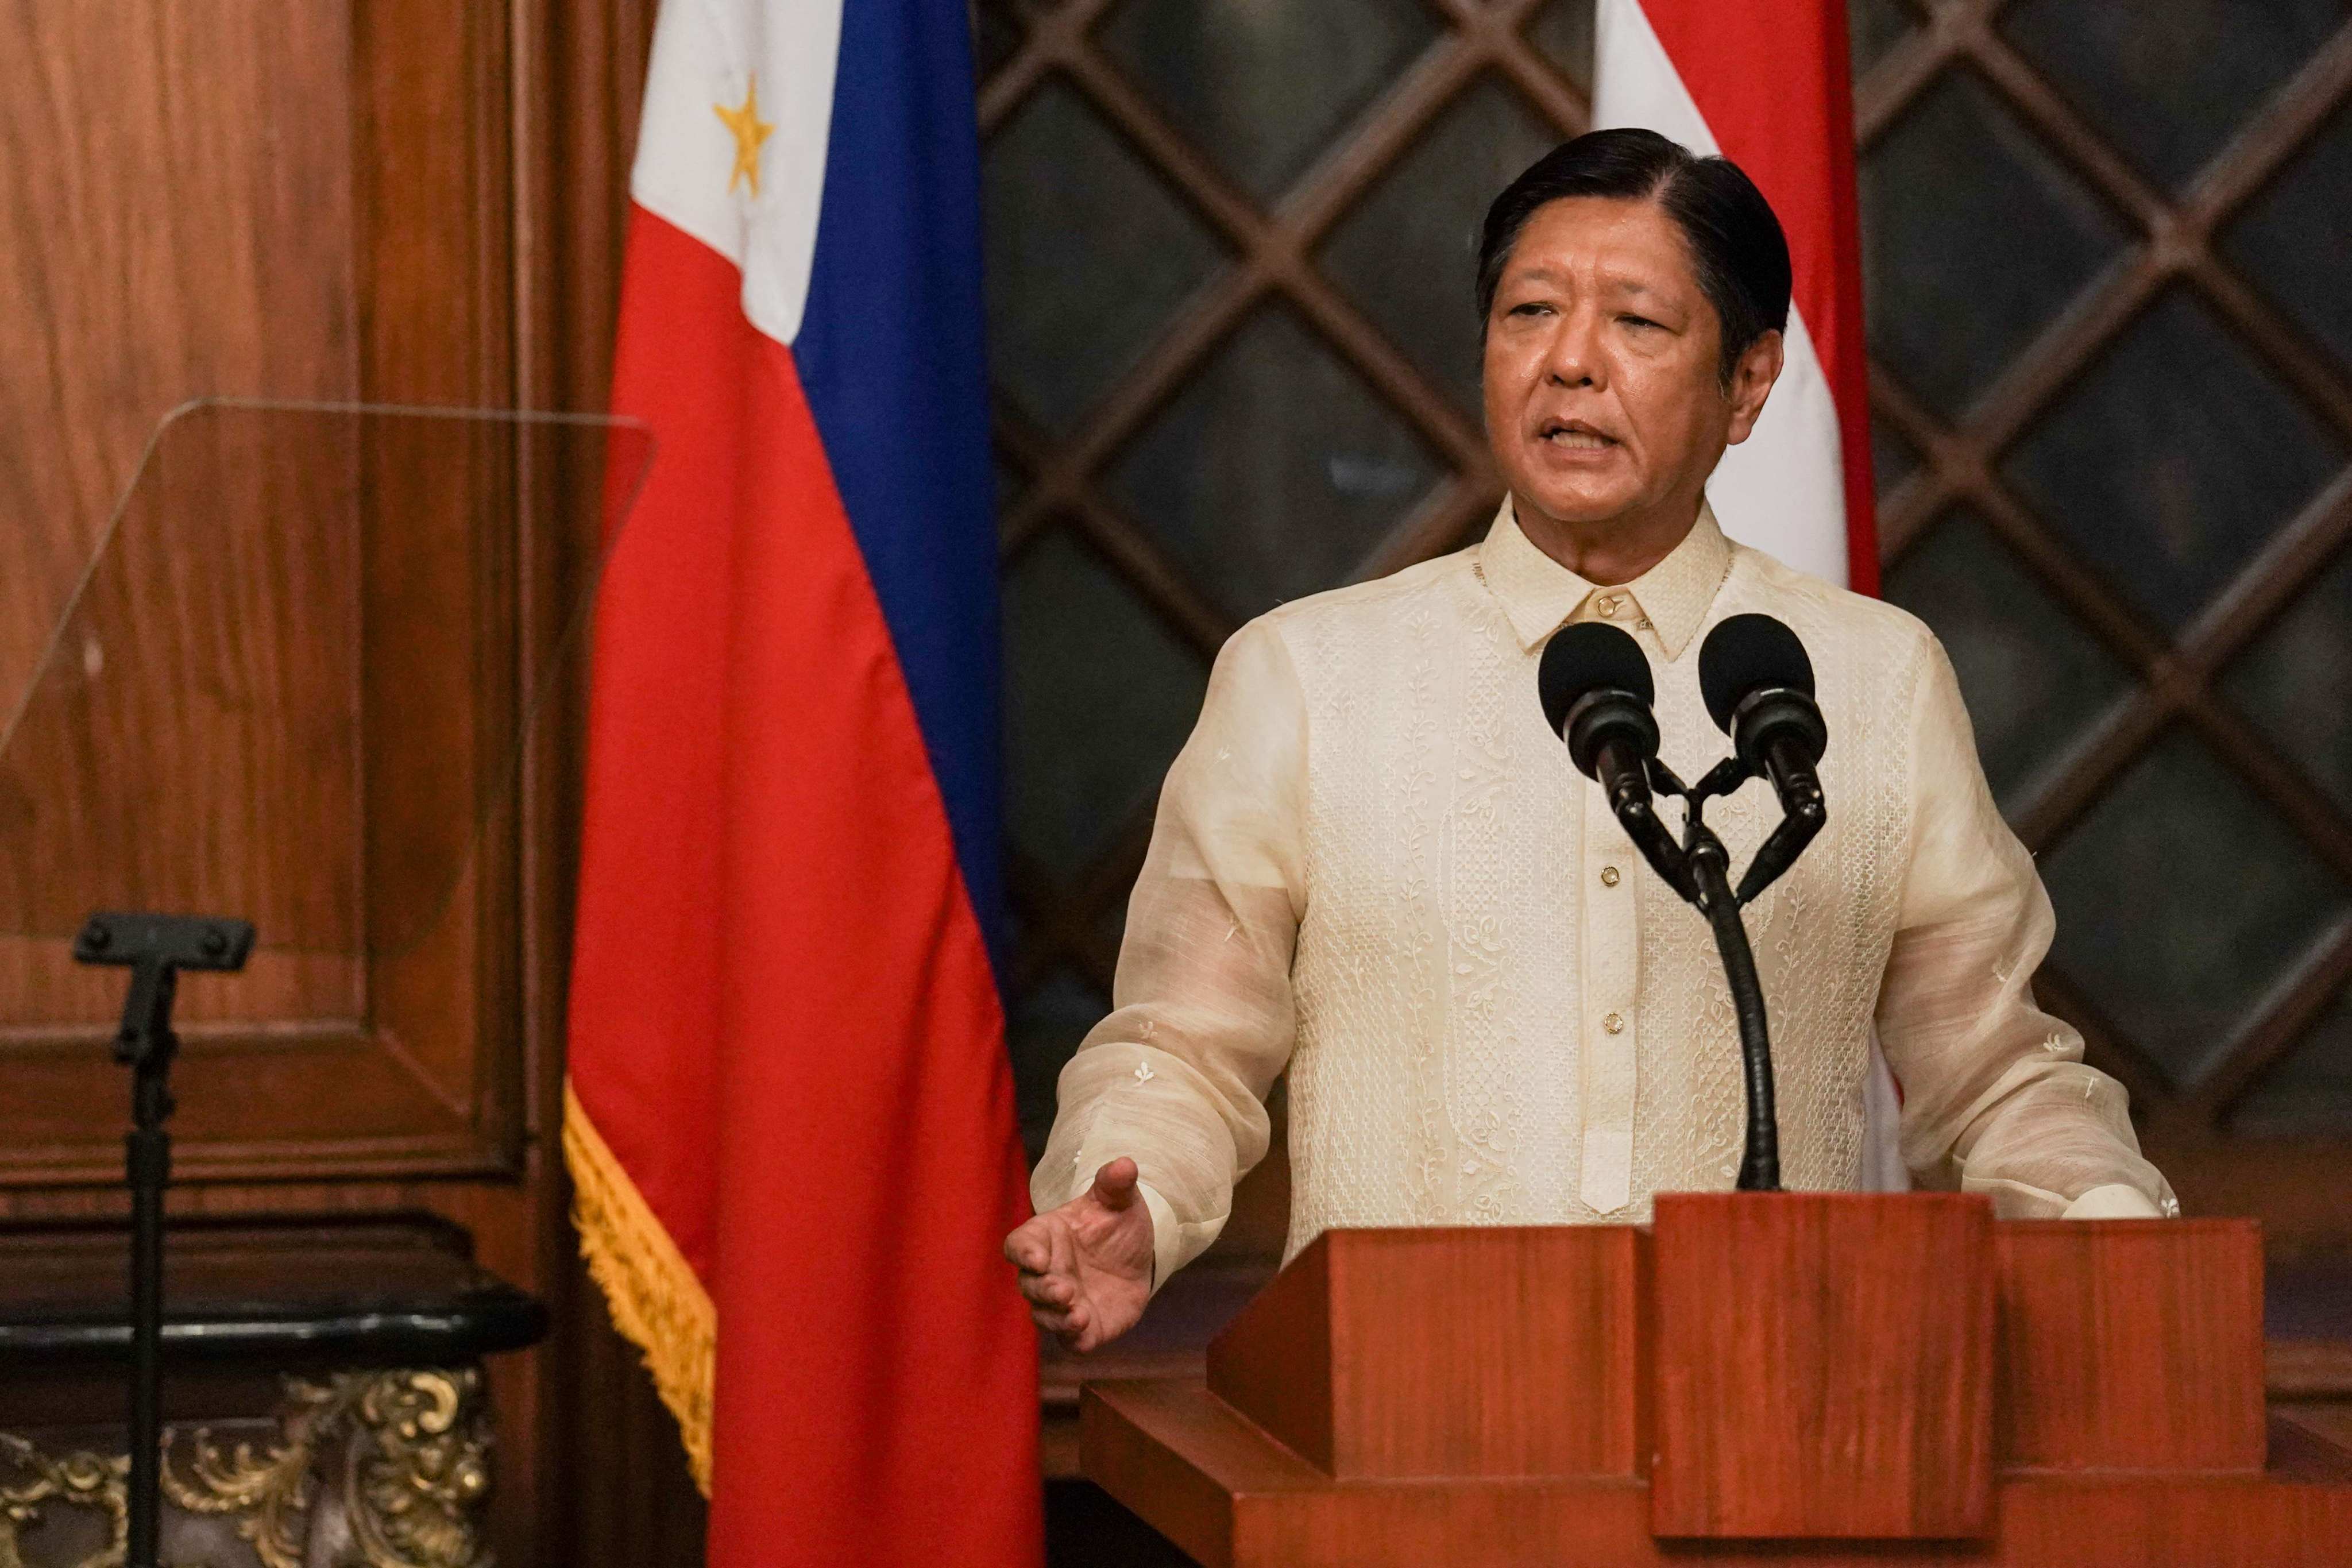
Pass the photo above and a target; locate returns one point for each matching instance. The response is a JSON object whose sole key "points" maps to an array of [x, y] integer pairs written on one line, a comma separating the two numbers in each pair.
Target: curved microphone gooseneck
{"points": [[1760, 1164]]}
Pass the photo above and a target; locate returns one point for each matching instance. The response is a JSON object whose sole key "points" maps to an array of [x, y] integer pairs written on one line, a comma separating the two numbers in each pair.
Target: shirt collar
{"points": [[1538, 594]]}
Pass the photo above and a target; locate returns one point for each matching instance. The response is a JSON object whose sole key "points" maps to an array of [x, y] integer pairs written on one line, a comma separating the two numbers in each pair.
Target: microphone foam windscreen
{"points": [[1589, 656], [1745, 654]]}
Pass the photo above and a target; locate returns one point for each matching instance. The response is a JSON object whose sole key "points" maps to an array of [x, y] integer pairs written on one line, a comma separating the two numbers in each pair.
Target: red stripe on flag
{"points": [[645, 958], [876, 1392], [1771, 81], [876, 1385]]}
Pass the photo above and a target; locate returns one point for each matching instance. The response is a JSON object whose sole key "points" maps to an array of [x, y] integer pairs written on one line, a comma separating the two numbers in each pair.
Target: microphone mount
{"points": [[1699, 868]]}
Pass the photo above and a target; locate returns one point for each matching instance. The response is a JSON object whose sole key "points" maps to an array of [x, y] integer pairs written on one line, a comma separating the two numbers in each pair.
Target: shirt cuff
{"points": [[1167, 1245], [2116, 1200]]}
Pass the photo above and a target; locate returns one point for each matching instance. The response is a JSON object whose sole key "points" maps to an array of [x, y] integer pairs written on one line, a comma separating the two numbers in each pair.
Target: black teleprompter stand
{"points": [[154, 948]]}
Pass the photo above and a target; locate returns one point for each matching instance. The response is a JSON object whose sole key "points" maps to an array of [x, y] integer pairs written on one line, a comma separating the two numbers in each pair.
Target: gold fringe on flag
{"points": [[655, 1299]]}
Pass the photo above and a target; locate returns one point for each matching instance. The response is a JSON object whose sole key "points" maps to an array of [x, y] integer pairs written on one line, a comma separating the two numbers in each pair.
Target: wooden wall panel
{"points": [[237, 199], [154, 155], [321, 201], [148, 162]]}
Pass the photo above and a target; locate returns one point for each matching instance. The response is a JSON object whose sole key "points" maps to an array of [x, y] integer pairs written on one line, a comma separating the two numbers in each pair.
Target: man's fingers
{"points": [[1048, 1291], [1062, 1254], [1075, 1324], [1082, 1336], [1114, 1184], [1028, 1247]]}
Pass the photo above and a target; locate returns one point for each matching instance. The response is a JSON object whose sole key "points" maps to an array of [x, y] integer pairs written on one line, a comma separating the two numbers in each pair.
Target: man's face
{"points": [[1601, 386]]}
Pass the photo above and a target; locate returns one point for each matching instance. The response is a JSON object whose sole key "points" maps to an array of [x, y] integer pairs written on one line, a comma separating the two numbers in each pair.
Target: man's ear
{"points": [[1752, 383]]}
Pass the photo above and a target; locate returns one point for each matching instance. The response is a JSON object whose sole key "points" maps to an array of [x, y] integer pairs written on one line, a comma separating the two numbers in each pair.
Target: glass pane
{"points": [[2309, 1093], [2173, 459], [2290, 238], [1087, 254], [2168, 85], [1042, 1034], [2033, 677], [1973, 239], [1563, 30], [1275, 471], [1875, 26], [1099, 697], [2181, 900], [2295, 682], [1263, 88], [1409, 253], [293, 604]]}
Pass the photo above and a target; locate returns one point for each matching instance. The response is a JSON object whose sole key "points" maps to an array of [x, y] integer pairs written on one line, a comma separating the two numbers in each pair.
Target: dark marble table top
{"points": [[399, 1293]]}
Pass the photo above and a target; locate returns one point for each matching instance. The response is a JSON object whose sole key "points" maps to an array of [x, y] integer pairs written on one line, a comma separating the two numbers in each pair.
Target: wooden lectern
{"points": [[1752, 1378]]}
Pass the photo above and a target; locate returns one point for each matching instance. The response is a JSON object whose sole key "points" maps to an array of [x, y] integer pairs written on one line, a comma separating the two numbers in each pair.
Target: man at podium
{"points": [[1375, 865]]}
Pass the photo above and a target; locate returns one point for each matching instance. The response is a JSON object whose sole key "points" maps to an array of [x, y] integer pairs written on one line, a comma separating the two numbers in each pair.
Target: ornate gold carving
{"points": [[409, 1453], [414, 1487], [272, 1492], [405, 1453], [77, 1480]]}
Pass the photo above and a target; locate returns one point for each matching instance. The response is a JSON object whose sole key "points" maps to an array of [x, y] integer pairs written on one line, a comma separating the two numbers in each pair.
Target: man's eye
{"points": [[1532, 308], [1637, 320]]}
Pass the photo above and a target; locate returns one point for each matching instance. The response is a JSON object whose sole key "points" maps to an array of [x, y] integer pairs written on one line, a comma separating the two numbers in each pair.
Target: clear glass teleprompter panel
{"points": [[297, 681]]}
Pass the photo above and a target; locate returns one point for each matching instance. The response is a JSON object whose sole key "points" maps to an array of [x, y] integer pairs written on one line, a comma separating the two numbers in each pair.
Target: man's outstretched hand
{"points": [[1085, 1267]]}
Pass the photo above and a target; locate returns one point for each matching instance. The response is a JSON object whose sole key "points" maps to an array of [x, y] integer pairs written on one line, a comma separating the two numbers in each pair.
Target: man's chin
{"points": [[1575, 506]]}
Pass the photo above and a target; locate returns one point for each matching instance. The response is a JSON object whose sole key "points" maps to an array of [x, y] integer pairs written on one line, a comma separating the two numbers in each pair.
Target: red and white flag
{"points": [[1765, 84]]}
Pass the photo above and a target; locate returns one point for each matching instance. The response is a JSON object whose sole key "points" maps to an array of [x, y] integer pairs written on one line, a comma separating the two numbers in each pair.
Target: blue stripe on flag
{"points": [[890, 351]]}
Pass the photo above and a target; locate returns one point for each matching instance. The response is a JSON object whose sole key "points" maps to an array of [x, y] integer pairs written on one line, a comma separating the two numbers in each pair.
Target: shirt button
{"points": [[1642, 624], [1610, 605], [1614, 1023], [1608, 876]]}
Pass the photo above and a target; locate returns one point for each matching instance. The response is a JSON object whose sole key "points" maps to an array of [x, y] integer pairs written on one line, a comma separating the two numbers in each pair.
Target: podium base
{"points": [[1231, 1497], [1753, 1378]]}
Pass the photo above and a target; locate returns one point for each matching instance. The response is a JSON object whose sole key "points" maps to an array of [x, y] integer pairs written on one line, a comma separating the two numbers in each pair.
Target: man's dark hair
{"points": [[1736, 244]]}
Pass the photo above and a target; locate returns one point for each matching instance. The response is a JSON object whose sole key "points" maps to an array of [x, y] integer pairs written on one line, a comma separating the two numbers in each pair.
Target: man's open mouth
{"points": [[1575, 435]]}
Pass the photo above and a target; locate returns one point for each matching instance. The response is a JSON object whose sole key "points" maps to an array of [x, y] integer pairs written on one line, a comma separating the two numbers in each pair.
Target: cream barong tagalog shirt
{"points": [[1374, 866]]}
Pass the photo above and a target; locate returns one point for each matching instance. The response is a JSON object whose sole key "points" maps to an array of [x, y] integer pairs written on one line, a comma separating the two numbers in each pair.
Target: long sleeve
{"points": [[1202, 1020], [1997, 1098]]}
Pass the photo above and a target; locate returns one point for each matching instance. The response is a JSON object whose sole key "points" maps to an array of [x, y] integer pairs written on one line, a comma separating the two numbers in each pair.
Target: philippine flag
{"points": [[790, 1115], [1764, 83]]}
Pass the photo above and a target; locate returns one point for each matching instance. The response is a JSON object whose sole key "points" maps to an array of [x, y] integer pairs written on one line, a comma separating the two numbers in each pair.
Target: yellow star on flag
{"points": [[750, 131]]}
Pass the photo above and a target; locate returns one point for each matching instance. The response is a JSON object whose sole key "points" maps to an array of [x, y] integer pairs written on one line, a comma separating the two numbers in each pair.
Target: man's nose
{"points": [[1574, 357]]}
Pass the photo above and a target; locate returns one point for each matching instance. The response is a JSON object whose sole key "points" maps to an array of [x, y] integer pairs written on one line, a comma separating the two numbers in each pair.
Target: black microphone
{"points": [[1596, 689], [1758, 687]]}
